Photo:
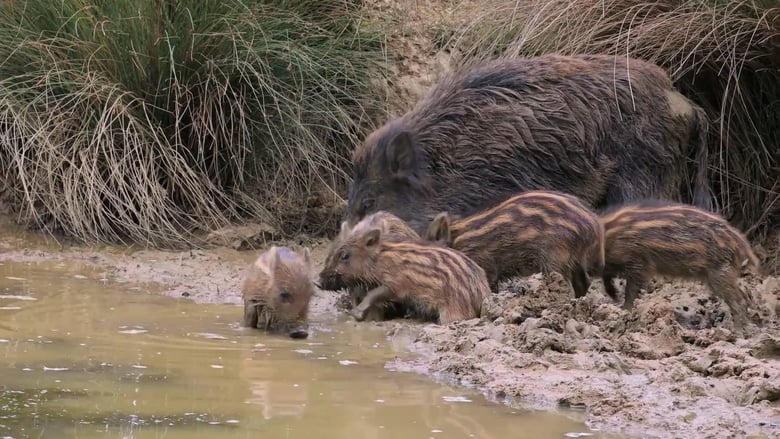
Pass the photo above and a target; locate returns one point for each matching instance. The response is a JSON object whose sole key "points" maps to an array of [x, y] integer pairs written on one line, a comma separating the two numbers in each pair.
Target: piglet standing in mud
{"points": [[650, 238], [277, 292], [437, 283], [530, 232], [391, 226]]}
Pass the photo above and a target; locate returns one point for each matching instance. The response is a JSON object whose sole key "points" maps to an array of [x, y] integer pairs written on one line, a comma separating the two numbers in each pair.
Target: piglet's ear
{"points": [[344, 229], [439, 228], [307, 257], [265, 260], [401, 156], [273, 258], [371, 237]]}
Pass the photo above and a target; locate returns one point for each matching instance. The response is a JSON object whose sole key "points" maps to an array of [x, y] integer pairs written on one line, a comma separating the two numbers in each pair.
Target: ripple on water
{"points": [[186, 419], [303, 351], [455, 399], [347, 362], [134, 330], [17, 297], [209, 335]]}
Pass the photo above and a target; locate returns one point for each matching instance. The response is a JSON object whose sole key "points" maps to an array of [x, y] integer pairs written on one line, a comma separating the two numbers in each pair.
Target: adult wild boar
{"points": [[606, 129]]}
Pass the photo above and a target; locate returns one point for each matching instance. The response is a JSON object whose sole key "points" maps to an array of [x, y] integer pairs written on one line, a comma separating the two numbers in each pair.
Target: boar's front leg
{"points": [[375, 296], [250, 314]]}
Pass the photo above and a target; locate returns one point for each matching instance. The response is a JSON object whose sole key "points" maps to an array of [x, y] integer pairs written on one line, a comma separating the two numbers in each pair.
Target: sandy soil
{"points": [[671, 367]]}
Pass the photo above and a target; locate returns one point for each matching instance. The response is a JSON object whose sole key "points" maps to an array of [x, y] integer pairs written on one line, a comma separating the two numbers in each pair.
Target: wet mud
{"points": [[671, 367]]}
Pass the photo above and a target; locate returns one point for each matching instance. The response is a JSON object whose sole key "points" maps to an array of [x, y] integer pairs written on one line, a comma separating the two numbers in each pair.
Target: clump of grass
{"points": [[150, 121], [723, 54]]}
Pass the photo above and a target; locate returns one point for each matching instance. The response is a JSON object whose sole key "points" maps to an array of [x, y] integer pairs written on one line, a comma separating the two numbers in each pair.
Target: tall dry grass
{"points": [[723, 54], [149, 121]]}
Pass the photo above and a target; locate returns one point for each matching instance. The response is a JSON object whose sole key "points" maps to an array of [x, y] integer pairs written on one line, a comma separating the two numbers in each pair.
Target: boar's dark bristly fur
{"points": [[647, 238], [530, 232], [436, 282], [277, 292], [606, 129]]}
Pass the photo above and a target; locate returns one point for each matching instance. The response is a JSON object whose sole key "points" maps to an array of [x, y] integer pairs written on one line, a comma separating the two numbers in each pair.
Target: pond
{"points": [[83, 357]]}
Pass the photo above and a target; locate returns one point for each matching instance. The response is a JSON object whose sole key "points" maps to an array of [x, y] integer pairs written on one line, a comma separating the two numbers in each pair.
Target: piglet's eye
{"points": [[285, 297], [344, 256]]}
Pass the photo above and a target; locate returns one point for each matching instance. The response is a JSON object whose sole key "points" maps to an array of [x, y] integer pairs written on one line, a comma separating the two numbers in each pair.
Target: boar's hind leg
{"points": [[723, 284], [373, 298], [579, 281]]}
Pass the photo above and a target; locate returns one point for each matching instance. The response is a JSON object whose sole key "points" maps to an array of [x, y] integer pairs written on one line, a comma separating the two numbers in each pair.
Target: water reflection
{"points": [[272, 390]]}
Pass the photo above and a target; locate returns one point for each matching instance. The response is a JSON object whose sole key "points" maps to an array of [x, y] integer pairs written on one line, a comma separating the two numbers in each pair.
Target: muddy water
{"points": [[80, 358]]}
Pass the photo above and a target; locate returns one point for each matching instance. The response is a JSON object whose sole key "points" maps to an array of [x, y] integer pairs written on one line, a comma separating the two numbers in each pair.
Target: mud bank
{"points": [[204, 276], [669, 368]]}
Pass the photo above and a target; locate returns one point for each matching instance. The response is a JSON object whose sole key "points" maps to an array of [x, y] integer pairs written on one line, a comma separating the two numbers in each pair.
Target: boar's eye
{"points": [[344, 256], [285, 297]]}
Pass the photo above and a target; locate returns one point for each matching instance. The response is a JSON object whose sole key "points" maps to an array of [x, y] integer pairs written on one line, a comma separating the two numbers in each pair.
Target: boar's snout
{"points": [[329, 282], [299, 332]]}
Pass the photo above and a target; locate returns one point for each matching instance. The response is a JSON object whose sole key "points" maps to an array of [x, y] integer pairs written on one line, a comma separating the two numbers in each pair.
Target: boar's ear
{"points": [[439, 228], [371, 237], [400, 154]]}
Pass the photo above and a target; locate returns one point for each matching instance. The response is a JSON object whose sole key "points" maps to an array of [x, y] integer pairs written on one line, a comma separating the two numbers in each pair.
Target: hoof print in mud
{"points": [[572, 403], [699, 313]]}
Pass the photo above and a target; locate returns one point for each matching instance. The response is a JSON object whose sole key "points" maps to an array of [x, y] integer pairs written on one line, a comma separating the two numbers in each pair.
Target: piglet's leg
{"points": [[375, 296], [356, 294]]}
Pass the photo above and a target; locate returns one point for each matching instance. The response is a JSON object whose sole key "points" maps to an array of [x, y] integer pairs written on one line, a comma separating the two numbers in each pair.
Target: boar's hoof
{"points": [[358, 313], [299, 333]]}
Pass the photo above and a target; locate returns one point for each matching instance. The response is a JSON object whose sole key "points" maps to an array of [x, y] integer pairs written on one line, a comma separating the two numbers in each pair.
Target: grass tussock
{"points": [[724, 54], [148, 121]]}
